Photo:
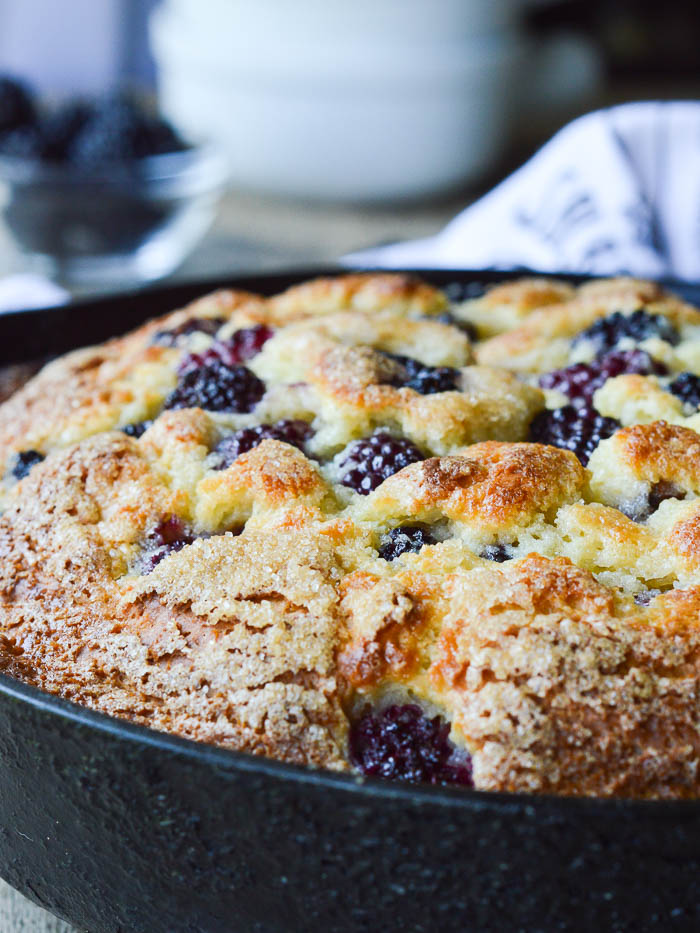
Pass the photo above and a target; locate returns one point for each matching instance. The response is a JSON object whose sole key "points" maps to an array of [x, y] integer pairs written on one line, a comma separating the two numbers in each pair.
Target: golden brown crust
{"points": [[494, 484], [274, 617], [661, 451], [373, 292], [550, 680], [507, 304], [250, 668], [528, 294]]}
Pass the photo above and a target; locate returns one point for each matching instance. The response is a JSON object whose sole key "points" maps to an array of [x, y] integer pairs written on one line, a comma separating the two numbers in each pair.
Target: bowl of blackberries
{"points": [[102, 191]]}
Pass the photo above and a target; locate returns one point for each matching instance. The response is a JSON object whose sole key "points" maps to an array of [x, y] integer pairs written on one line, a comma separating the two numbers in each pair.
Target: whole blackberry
{"points": [[136, 428], [16, 105], [367, 463], [422, 378], [607, 332], [576, 428], [291, 431], [686, 387], [24, 461], [168, 536], [404, 539], [242, 346], [119, 130], [195, 325], [401, 743], [215, 386], [497, 552], [581, 380]]}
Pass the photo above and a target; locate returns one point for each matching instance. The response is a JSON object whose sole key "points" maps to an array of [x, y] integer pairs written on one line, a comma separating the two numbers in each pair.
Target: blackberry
{"points": [[576, 428], [157, 137], [59, 129], [216, 386], [497, 552], [245, 343], [686, 387], [24, 461], [49, 136], [404, 539], [662, 491], [291, 431], [120, 131], [16, 105], [367, 463], [136, 428], [195, 325], [640, 508], [109, 136], [423, 378], [607, 332], [581, 380], [242, 346], [168, 536], [402, 743]]}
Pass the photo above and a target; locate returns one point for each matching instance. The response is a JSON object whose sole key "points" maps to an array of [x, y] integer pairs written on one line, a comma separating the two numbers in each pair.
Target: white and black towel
{"points": [[615, 191]]}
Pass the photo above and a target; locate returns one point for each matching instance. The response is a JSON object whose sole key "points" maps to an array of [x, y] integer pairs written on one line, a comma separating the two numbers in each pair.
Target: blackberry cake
{"points": [[372, 526]]}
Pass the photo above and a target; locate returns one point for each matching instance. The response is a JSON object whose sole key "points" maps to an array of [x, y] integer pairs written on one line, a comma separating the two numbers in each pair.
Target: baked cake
{"points": [[371, 526]]}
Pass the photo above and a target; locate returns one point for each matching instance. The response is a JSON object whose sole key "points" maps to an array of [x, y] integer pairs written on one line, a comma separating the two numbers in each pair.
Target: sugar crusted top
{"points": [[546, 608]]}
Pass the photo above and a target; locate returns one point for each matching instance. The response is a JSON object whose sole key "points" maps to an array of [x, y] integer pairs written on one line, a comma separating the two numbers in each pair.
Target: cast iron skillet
{"points": [[118, 828]]}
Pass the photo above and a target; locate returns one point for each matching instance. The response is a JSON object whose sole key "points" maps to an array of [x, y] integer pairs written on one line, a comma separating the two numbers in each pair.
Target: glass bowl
{"points": [[116, 226]]}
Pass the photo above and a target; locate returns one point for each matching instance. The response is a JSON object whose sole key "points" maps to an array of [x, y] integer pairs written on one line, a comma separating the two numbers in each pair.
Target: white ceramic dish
{"points": [[371, 100]]}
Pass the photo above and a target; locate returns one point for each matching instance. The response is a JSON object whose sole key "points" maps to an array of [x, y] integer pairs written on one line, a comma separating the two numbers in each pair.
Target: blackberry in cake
{"points": [[406, 539], [288, 430], [581, 380], [367, 463], [686, 387], [579, 429], [609, 332], [24, 461], [402, 743]]}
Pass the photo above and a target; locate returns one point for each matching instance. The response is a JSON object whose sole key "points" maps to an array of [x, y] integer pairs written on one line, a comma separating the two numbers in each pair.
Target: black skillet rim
{"points": [[170, 297]]}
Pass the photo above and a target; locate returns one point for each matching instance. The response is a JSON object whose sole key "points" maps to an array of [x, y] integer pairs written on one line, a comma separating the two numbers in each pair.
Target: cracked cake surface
{"points": [[371, 525]]}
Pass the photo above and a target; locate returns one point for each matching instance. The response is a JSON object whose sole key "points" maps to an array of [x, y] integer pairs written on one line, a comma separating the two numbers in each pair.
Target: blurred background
{"points": [[301, 131]]}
